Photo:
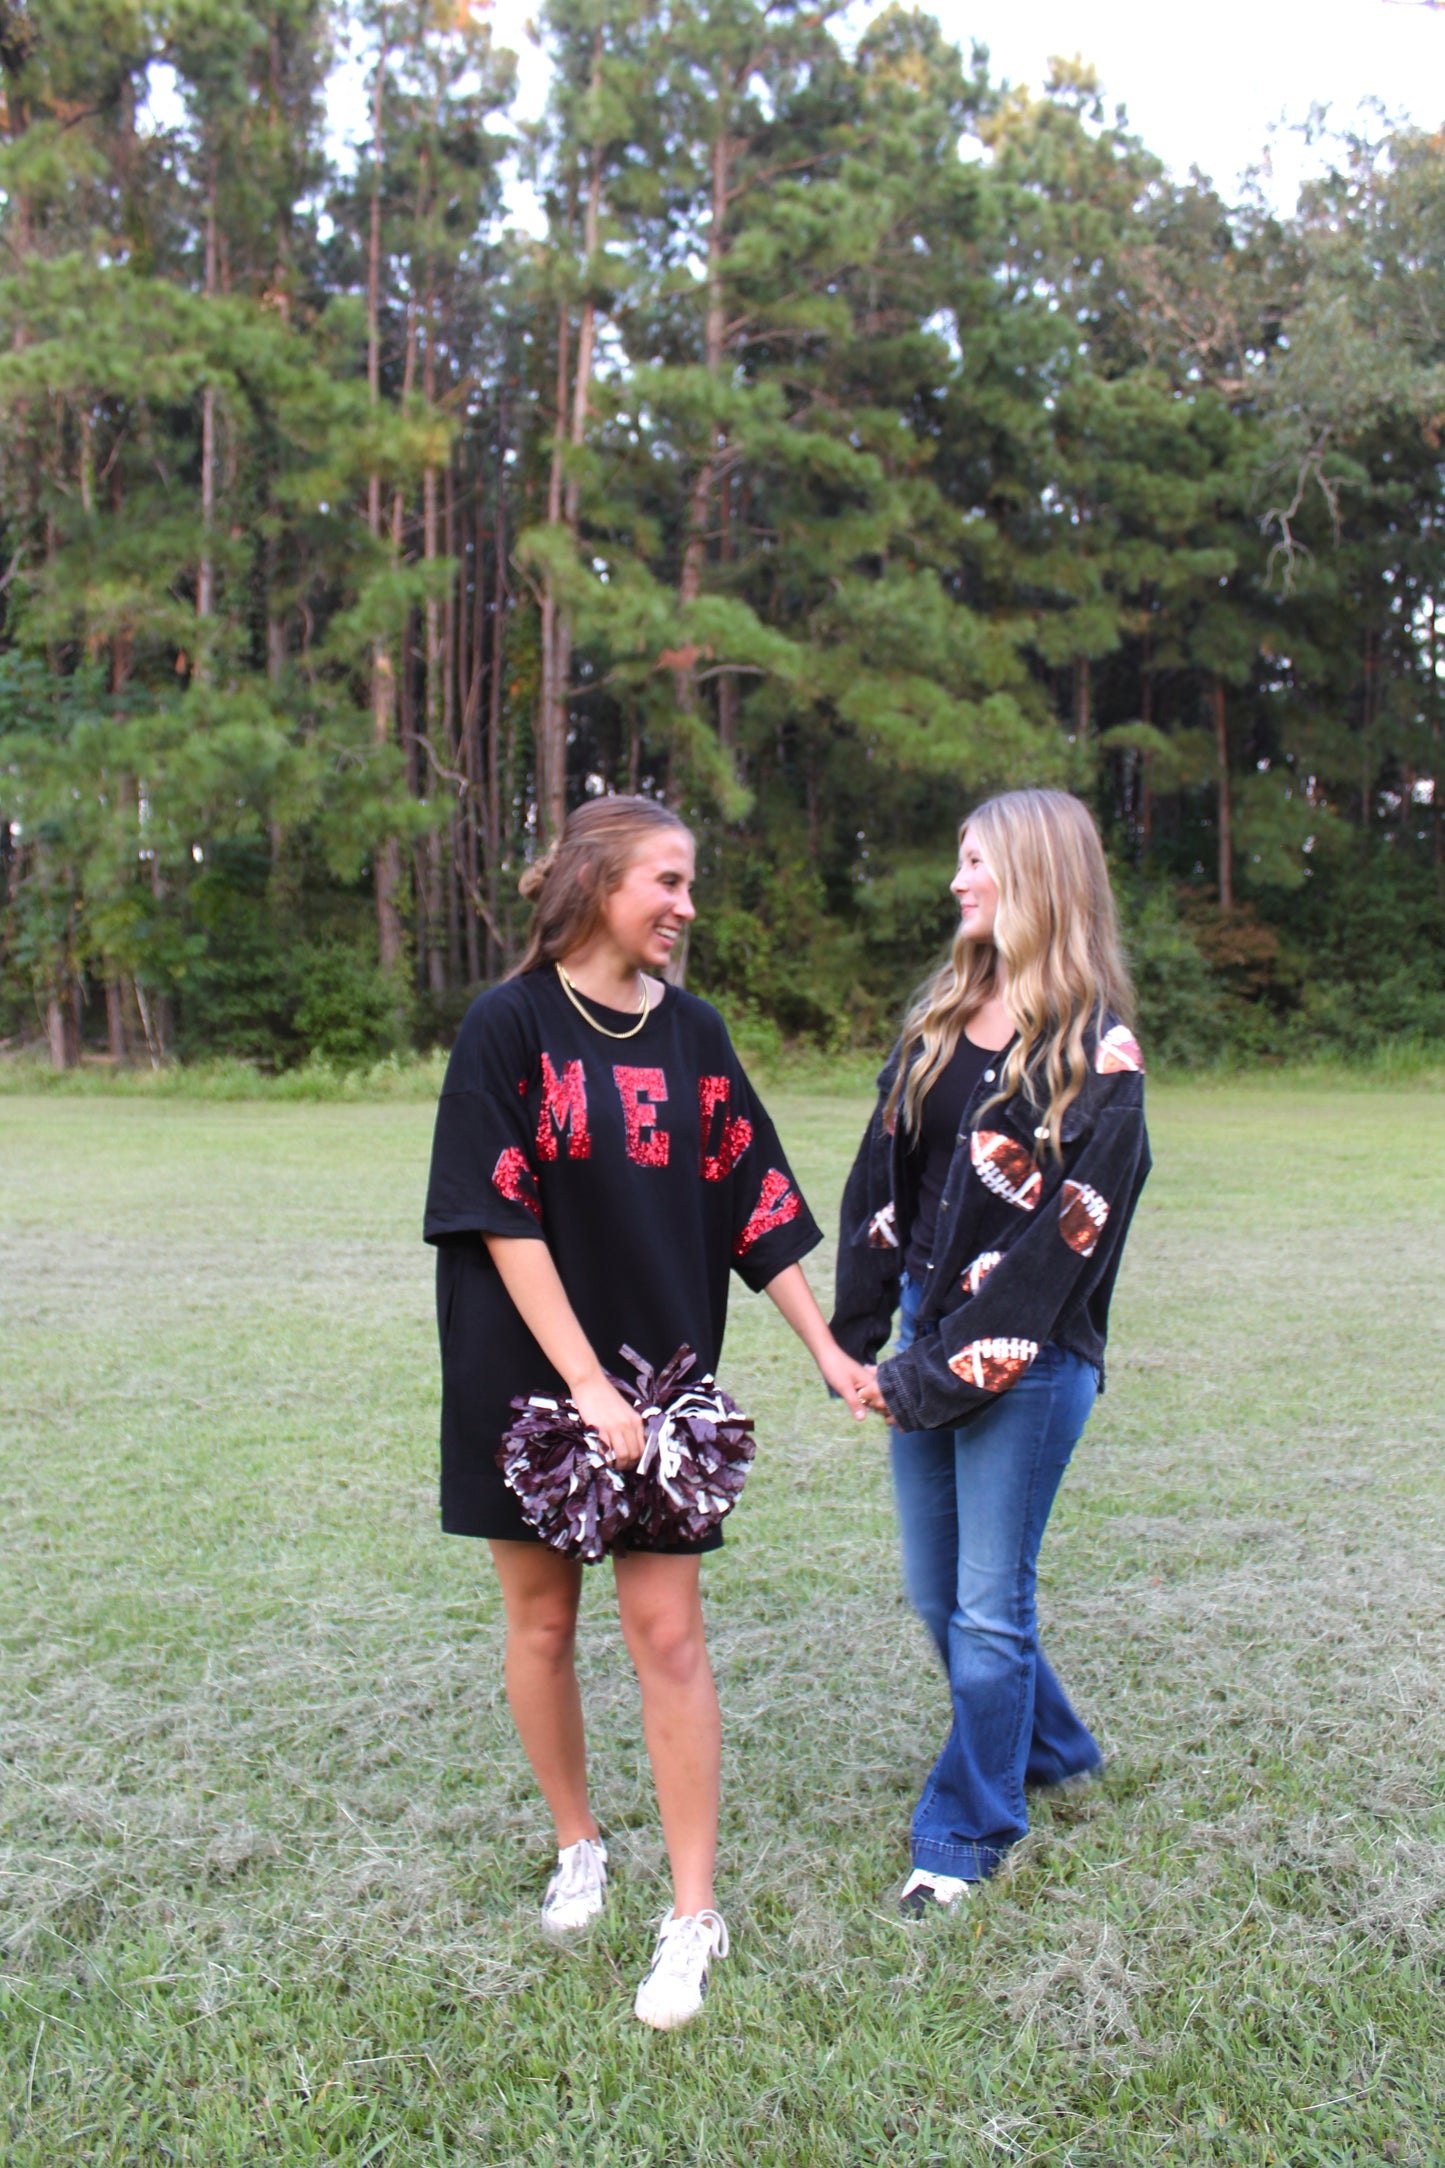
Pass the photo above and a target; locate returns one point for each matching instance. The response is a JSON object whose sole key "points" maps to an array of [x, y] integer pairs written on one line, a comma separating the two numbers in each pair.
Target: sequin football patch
{"points": [[1004, 1166], [1082, 1217], [976, 1273], [993, 1365], [883, 1228], [1118, 1050]]}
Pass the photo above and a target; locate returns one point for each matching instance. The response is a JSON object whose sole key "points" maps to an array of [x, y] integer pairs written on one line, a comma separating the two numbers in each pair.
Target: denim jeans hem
{"points": [[1065, 1777], [965, 1862]]}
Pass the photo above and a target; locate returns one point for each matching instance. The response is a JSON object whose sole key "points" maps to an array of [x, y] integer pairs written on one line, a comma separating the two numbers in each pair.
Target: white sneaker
{"points": [[677, 1981], [578, 1889], [924, 1888]]}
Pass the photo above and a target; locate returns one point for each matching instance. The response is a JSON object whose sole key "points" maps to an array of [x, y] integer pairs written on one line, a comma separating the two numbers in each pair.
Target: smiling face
{"points": [[976, 890], [644, 916]]}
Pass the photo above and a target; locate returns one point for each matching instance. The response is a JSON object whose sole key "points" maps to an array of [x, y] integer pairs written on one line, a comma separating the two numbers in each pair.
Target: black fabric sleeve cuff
{"points": [[766, 1259], [480, 1220]]}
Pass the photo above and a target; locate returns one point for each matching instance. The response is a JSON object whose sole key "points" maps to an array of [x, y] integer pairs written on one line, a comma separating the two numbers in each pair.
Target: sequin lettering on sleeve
{"points": [[993, 1365], [778, 1202], [1082, 1216], [642, 1091], [734, 1135], [513, 1179], [1004, 1166], [564, 1107]]}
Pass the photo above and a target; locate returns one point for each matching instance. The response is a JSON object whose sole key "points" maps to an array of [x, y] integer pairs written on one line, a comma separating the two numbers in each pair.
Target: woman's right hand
{"points": [[603, 1409]]}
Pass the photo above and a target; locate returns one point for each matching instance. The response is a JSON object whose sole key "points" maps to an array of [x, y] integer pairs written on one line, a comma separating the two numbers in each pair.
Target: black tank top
{"points": [[940, 1117]]}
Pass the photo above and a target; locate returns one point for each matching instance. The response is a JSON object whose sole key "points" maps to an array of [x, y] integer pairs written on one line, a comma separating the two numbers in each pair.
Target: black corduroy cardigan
{"points": [[1026, 1246]]}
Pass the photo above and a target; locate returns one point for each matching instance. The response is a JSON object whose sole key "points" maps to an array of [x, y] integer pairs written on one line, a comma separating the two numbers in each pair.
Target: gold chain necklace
{"points": [[632, 1030]]}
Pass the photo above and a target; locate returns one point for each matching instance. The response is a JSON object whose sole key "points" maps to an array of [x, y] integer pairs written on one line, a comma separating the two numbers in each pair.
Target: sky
{"points": [[1203, 86]]}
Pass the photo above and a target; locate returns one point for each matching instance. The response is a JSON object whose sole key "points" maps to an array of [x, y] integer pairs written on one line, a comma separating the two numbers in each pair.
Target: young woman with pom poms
{"points": [[601, 1166], [989, 1205]]}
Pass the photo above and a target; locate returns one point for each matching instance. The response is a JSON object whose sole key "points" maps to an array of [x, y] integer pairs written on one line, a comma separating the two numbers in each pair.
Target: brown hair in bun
{"points": [[569, 883]]}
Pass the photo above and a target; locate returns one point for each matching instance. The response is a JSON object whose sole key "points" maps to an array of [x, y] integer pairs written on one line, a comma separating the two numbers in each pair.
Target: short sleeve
{"points": [[772, 1227], [483, 1165]]}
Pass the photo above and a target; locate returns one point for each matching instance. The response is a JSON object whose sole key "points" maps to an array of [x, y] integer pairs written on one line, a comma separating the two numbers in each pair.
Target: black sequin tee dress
{"points": [[648, 1167]]}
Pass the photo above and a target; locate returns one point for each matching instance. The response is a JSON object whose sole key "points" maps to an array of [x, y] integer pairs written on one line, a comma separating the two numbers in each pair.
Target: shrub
{"points": [[1182, 1020], [349, 1013]]}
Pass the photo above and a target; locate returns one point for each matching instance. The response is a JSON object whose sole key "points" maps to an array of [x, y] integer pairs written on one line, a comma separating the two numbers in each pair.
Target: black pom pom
{"points": [[695, 1460], [564, 1480]]}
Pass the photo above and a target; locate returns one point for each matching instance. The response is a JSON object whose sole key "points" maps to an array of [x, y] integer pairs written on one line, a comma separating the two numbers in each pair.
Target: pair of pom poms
{"points": [[695, 1458]]}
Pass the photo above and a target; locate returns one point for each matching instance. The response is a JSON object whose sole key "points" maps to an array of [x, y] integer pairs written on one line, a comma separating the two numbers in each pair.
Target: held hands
{"points": [[846, 1377], [852, 1381], [873, 1398], [603, 1409], [855, 1382]]}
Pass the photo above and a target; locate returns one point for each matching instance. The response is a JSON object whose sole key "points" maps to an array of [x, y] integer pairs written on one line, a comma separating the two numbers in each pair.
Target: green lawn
{"points": [[269, 1857]]}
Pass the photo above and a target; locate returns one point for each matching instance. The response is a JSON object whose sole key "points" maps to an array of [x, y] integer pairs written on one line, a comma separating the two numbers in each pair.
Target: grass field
{"points": [[269, 1857]]}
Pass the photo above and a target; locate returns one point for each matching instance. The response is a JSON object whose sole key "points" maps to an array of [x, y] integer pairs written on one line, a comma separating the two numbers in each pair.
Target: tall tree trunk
{"points": [[1225, 797], [387, 857], [433, 721], [205, 571], [552, 734], [1146, 795], [115, 1021], [55, 1033], [563, 502], [495, 763], [120, 639], [465, 958], [699, 504], [577, 435], [1437, 778], [283, 887], [87, 457], [727, 684], [587, 328], [471, 616], [1367, 732], [694, 553], [1083, 698]]}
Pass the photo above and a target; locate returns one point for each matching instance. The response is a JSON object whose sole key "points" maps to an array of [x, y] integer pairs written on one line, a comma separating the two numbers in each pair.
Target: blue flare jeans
{"points": [[972, 1508]]}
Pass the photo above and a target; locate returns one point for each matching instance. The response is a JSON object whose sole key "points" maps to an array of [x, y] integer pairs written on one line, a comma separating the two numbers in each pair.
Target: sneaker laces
{"points": [[578, 1868], [685, 1943]]}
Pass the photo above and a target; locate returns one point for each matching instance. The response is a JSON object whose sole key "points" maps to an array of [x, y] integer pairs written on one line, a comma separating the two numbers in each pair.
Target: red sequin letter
{"points": [[734, 1137], [564, 1106], [638, 1088], [509, 1175], [778, 1202]]}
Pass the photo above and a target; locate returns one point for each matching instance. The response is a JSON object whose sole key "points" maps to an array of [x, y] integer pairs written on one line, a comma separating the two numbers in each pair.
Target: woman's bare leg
{"points": [[541, 1593], [660, 1605]]}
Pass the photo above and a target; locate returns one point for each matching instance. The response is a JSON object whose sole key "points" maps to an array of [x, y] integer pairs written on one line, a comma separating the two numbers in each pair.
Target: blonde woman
{"points": [[989, 1205], [601, 1167]]}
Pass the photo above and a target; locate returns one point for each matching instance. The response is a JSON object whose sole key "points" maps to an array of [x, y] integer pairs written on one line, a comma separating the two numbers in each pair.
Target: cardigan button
{"points": [[988, 1076]]}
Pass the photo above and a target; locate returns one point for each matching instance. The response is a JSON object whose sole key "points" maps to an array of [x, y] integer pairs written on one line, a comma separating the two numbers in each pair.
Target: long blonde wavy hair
{"points": [[1056, 934]]}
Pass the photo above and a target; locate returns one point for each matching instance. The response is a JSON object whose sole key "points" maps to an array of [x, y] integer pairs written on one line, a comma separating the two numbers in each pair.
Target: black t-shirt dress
{"points": [[646, 1164]]}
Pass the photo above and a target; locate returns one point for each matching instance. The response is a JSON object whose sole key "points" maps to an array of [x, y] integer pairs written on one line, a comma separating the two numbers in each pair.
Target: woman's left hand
{"points": [[872, 1397], [848, 1379]]}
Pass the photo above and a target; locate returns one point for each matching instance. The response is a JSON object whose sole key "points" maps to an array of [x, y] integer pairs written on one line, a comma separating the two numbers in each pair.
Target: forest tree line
{"points": [[861, 436]]}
